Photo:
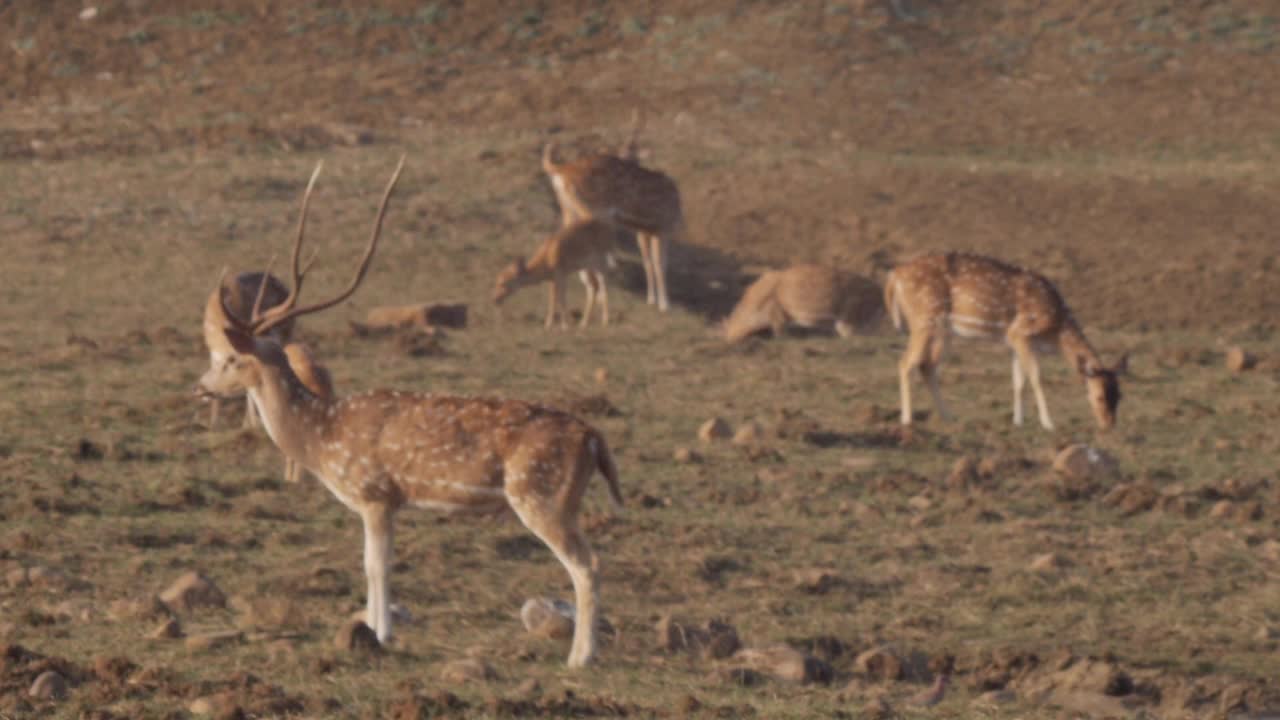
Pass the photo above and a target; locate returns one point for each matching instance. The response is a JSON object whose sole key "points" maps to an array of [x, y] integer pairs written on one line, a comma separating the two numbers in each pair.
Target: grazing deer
{"points": [[384, 450], [584, 247], [620, 191], [805, 295], [315, 378], [980, 297], [236, 294]]}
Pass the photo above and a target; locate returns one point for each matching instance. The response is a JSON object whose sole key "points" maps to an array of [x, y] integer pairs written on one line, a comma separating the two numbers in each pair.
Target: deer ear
{"points": [[241, 341], [1122, 365]]}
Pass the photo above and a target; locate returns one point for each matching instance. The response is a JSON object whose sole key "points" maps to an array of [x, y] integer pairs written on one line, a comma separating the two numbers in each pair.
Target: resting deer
{"points": [[237, 295], [980, 297], [620, 191], [384, 450], [583, 247], [806, 295]]}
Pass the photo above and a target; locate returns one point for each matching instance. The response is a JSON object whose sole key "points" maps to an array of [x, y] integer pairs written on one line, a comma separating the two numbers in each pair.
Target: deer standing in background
{"points": [[236, 296], [980, 297], [384, 450], [620, 191], [806, 295], [583, 247]]}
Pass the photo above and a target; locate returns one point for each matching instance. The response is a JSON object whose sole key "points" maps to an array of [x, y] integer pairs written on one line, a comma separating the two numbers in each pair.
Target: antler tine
{"points": [[228, 317], [289, 313], [256, 314], [295, 286]]}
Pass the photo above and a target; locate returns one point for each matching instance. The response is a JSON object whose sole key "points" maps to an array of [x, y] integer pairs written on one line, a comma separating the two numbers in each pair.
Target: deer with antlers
{"points": [[979, 297], [620, 191], [584, 247], [384, 450]]}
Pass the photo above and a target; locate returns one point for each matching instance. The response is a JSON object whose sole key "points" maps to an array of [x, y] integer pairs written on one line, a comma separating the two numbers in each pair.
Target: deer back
{"points": [[610, 187]]}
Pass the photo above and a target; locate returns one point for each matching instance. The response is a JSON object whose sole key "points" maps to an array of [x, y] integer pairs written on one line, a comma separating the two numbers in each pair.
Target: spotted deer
{"points": [[583, 247], [236, 295], [385, 450], [807, 295], [979, 297], [619, 190]]}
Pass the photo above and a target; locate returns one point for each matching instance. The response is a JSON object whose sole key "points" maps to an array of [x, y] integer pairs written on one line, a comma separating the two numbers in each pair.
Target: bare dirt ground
{"points": [[1125, 149]]}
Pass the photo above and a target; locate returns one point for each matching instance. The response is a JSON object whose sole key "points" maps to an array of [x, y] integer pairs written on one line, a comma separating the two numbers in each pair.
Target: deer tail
{"points": [[604, 461]]}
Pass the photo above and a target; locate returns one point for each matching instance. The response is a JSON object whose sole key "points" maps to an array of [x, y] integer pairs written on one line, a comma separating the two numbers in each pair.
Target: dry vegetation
{"points": [[1126, 150]]}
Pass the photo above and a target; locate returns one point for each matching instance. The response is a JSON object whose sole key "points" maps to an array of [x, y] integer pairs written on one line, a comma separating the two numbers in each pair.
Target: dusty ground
{"points": [[1127, 150]]}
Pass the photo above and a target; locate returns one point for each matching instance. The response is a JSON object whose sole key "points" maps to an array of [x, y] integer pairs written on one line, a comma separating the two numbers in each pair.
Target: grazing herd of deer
{"points": [[383, 450]]}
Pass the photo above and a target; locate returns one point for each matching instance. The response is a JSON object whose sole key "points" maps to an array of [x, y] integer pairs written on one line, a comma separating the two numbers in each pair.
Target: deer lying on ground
{"points": [[384, 450], [980, 297], [237, 294], [806, 295], [620, 191], [584, 247]]}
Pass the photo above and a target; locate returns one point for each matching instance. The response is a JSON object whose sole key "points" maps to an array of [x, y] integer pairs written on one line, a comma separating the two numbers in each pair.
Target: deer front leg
{"points": [[658, 253], [1019, 380], [377, 564], [1024, 353], [551, 306]]}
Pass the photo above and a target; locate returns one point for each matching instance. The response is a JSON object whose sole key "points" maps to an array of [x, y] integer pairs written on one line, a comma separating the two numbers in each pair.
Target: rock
{"points": [[722, 640], [49, 685], [685, 456], [192, 591], [1046, 563], [920, 503], [601, 375], [223, 705], [672, 636], [1239, 360], [716, 640], [879, 665], [964, 474], [467, 670], [1082, 462], [143, 608], [167, 630], [113, 669], [356, 636], [1132, 498], [713, 430], [749, 433], [547, 618], [785, 663], [816, 581], [202, 642], [449, 315], [1236, 511]]}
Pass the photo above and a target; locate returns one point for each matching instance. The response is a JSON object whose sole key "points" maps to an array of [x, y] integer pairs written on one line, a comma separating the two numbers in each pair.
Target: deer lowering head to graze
{"points": [[583, 247], [237, 294], [979, 297], [810, 296], [620, 191], [384, 450]]}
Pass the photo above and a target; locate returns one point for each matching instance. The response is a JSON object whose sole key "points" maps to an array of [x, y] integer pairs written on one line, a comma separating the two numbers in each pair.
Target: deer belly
{"points": [[970, 326]]}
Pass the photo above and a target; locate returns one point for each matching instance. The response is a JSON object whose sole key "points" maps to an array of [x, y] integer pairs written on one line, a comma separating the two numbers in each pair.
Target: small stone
{"points": [[785, 663], [1082, 462], [879, 664], [749, 433], [685, 456], [49, 685], [964, 474], [1239, 359], [601, 375], [212, 640], [1046, 563], [191, 591], [919, 503], [167, 630], [713, 430], [467, 670], [356, 636], [89, 13], [816, 581], [137, 609], [547, 618]]}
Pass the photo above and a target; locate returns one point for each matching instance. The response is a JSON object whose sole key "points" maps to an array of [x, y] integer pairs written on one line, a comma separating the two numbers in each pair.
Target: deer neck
{"points": [[294, 417], [1075, 346]]}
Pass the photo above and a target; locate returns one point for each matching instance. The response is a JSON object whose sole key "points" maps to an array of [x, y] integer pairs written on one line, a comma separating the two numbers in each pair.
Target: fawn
{"points": [[584, 247]]}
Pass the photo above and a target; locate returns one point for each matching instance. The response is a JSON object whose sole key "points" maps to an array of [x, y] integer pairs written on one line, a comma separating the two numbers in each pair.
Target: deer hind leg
{"points": [[603, 293], [551, 306], [589, 282], [929, 369], [558, 529], [660, 260], [377, 564], [646, 259]]}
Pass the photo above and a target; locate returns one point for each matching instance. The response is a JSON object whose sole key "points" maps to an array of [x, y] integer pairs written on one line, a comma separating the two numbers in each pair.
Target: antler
{"points": [[286, 311]]}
